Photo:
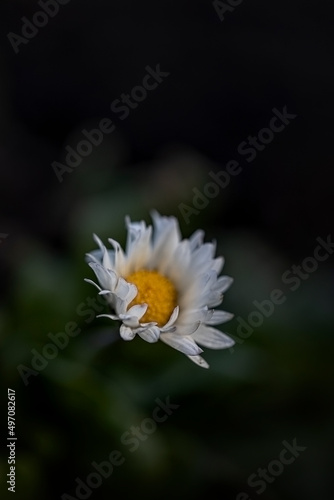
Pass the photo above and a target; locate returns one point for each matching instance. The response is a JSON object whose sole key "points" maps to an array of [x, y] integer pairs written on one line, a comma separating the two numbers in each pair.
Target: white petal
{"points": [[145, 326], [92, 283], [187, 329], [132, 293], [213, 299], [120, 261], [126, 333], [183, 344], [110, 316], [129, 320], [134, 231], [118, 304], [107, 278], [219, 317], [182, 254], [151, 334], [164, 225], [104, 292], [195, 295], [212, 280], [138, 246], [99, 242], [199, 361], [196, 239], [166, 238], [172, 319], [194, 315], [108, 259], [212, 338], [138, 310], [222, 284], [218, 264], [94, 256], [204, 254], [122, 288]]}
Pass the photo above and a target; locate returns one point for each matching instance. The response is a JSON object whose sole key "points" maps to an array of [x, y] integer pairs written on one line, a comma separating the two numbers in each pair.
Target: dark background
{"points": [[225, 79]]}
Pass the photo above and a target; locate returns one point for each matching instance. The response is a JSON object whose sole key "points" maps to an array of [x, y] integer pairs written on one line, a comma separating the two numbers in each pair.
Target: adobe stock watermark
{"points": [[249, 148], [293, 278], [121, 106], [87, 309], [264, 476], [132, 439], [30, 28], [222, 7]]}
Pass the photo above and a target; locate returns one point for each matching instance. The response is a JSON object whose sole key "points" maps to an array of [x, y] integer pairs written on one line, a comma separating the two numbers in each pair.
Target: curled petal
{"points": [[131, 293], [138, 310], [122, 288], [110, 316], [127, 333], [132, 316], [107, 261], [130, 321], [104, 292], [107, 278], [171, 320], [99, 242], [120, 261], [94, 256], [92, 283]]}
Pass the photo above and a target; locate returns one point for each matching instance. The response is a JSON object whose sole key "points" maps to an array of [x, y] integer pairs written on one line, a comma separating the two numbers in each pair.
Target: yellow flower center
{"points": [[157, 292]]}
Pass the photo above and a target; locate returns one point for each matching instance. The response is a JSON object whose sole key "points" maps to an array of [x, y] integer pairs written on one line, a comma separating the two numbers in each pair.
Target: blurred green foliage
{"points": [[231, 419]]}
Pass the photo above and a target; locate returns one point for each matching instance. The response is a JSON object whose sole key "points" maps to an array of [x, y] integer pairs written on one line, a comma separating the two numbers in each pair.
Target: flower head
{"points": [[163, 287]]}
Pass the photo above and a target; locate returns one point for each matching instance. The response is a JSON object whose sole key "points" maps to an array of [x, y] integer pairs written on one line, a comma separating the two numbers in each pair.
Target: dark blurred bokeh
{"points": [[225, 73]]}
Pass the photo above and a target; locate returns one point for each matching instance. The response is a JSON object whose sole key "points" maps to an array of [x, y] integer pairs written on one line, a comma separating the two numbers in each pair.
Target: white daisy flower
{"points": [[163, 287]]}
